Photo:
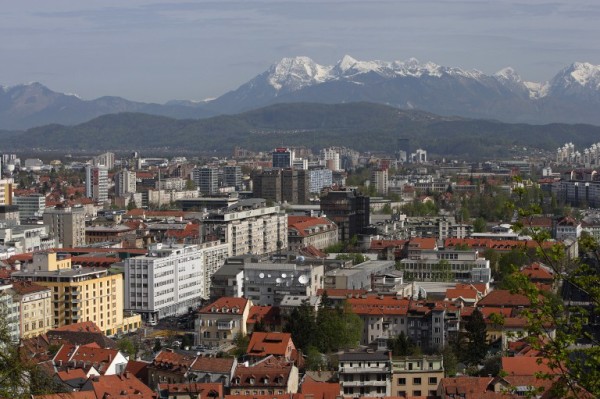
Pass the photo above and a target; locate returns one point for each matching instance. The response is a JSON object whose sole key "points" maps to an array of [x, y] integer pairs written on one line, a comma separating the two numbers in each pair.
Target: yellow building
{"points": [[35, 306], [80, 293], [6, 191]]}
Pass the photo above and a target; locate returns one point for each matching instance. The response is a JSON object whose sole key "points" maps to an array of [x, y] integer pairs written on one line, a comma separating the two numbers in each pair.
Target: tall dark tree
{"points": [[476, 345], [303, 326]]}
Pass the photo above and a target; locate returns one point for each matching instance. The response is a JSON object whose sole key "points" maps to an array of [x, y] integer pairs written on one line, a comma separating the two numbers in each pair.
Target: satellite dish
{"points": [[300, 259], [283, 275], [303, 279], [278, 280], [261, 275], [268, 275]]}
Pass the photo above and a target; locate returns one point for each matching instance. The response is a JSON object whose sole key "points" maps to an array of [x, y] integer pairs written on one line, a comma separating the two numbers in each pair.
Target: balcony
{"points": [[370, 383], [225, 325], [75, 300], [365, 369]]}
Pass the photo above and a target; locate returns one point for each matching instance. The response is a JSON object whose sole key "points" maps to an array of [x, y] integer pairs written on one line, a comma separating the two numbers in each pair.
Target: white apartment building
{"points": [[249, 226], [106, 160], [447, 265], [331, 158], [11, 311], [379, 179], [125, 183], [165, 282], [26, 238], [31, 207], [96, 183], [213, 255]]}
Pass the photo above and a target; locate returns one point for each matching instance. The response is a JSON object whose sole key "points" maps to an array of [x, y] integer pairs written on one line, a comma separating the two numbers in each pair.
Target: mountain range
{"points": [[572, 96], [364, 126]]}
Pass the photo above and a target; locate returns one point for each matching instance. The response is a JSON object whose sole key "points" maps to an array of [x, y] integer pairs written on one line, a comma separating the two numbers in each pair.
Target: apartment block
{"points": [[416, 375], [365, 374], [35, 308], [167, 281], [66, 224]]}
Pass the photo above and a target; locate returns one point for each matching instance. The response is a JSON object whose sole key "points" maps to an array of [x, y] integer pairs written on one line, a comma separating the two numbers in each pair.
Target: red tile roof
{"points": [[204, 389], [267, 314], [377, 245], [269, 343], [504, 298], [320, 390], [537, 271], [27, 287], [125, 385], [528, 366], [213, 364], [379, 305], [422, 243], [271, 372], [225, 304], [304, 224], [87, 326]]}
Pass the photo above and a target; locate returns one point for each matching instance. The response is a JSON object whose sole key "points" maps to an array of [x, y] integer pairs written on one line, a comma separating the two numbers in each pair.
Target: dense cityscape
{"points": [[322, 273]]}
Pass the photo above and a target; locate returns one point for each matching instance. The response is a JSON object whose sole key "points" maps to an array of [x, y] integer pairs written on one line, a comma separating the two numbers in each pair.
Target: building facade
{"points": [[349, 210], [35, 308], [66, 224], [96, 183], [166, 282]]}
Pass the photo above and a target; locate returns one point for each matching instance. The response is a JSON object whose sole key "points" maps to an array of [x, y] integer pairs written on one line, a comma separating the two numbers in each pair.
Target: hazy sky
{"points": [[157, 51]]}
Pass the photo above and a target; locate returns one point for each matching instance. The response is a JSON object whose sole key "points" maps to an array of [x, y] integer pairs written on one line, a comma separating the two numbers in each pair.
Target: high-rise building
{"points": [[232, 177], [66, 224], [379, 179], [96, 183], [283, 157], [319, 179], [349, 209], [79, 293], [331, 158], [249, 226], [267, 184], [166, 282], [107, 160], [31, 207], [125, 183], [278, 185], [207, 180], [6, 191]]}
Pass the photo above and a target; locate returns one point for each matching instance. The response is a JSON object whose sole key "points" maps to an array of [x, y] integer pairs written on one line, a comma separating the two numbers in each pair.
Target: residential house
{"points": [[219, 322], [270, 376], [416, 375], [365, 374]]}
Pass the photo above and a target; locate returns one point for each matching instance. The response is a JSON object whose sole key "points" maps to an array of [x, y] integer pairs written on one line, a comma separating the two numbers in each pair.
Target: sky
{"points": [[155, 51]]}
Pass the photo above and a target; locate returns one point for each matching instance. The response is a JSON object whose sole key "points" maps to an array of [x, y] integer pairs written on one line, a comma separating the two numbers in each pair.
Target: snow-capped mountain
{"points": [[427, 86], [572, 96]]}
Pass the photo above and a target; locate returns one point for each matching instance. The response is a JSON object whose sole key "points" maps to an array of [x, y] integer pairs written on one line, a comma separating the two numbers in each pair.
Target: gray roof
{"points": [[356, 356]]}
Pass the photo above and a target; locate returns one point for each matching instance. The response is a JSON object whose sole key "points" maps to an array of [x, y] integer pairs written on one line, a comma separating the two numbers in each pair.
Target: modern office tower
{"points": [[249, 226], [125, 183], [331, 158], [107, 160], [168, 281], [207, 180], [267, 184], [96, 183], [379, 179], [283, 158], [66, 224], [79, 293], [232, 177], [349, 210], [31, 207]]}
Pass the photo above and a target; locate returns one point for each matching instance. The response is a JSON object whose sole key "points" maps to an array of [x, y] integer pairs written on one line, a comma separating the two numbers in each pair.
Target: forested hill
{"points": [[363, 126]]}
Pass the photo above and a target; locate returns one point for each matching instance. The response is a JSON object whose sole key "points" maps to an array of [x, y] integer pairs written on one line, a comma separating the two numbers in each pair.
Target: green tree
{"points": [[337, 328], [402, 345], [241, 342], [127, 347], [479, 225], [450, 361], [157, 346], [315, 360], [476, 339], [302, 324]]}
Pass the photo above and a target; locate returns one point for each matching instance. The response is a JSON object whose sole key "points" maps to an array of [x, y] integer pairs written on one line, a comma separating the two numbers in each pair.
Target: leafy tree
{"points": [[157, 346], [315, 360], [479, 225], [302, 325], [241, 342], [476, 339], [450, 361], [126, 346], [402, 345], [356, 258]]}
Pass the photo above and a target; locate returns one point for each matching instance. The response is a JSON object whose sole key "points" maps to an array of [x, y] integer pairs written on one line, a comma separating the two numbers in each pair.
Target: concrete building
{"points": [[379, 180], [283, 158], [319, 179], [79, 294], [35, 308], [125, 183], [249, 226], [31, 207], [9, 215], [273, 376], [213, 255], [207, 180], [106, 160], [6, 191], [349, 210], [228, 280], [416, 375], [232, 177], [277, 185], [364, 374], [166, 282], [267, 184], [266, 283], [66, 224], [358, 276], [96, 183], [26, 238], [447, 265], [11, 312], [331, 158]]}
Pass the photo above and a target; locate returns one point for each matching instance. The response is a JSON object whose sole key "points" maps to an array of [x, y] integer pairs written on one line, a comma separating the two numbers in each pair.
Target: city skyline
{"points": [[155, 52]]}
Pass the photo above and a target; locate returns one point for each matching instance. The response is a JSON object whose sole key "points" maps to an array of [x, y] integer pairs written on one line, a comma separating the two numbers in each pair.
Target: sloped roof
{"points": [[502, 298], [227, 303], [213, 364], [269, 343]]}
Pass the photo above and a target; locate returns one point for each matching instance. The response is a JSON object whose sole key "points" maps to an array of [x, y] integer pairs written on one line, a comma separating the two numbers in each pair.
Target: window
{"points": [[416, 393], [432, 380], [401, 381], [417, 381]]}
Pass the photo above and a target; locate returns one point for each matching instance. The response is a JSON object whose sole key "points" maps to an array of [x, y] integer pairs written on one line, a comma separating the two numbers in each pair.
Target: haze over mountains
{"points": [[572, 96]]}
